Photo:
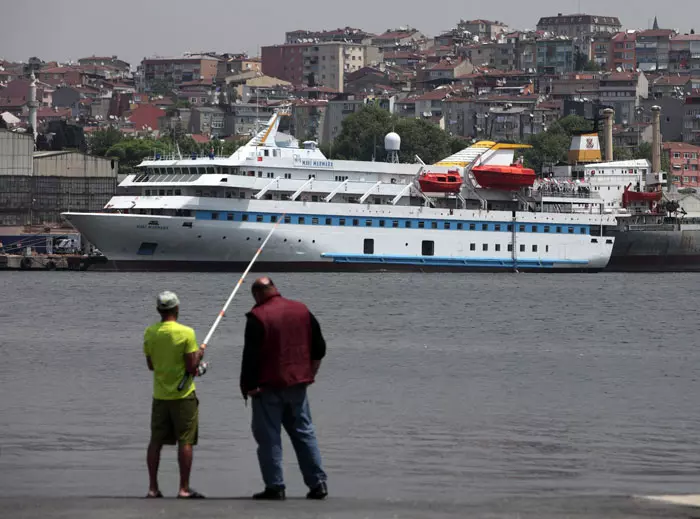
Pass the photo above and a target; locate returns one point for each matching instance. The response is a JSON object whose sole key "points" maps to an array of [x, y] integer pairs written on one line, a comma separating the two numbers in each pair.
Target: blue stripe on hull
{"points": [[447, 261]]}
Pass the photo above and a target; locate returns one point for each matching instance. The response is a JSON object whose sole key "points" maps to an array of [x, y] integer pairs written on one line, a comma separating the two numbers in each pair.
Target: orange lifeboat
{"points": [[450, 182], [508, 178]]}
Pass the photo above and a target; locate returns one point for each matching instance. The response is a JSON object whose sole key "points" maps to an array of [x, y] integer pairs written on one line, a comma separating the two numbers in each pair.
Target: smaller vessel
{"points": [[450, 182], [508, 177]]}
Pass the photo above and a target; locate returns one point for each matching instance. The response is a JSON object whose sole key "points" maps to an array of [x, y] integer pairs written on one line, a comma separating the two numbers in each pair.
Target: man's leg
{"points": [[153, 460], [186, 419], [162, 432], [266, 425], [297, 422]]}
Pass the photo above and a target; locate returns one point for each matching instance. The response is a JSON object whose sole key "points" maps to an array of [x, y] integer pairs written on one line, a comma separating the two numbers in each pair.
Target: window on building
{"points": [[421, 225], [407, 224], [484, 246], [341, 221], [484, 227], [472, 226], [571, 230], [472, 246], [428, 248], [521, 228], [534, 248], [368, 223], [355, 222], [510, 247], [368, 246], [259, 218], [214, 216], [314, 221], [558, 229]]}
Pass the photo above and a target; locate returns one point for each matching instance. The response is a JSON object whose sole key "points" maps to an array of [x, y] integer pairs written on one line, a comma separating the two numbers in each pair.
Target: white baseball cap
{"points": [[167, 300]]}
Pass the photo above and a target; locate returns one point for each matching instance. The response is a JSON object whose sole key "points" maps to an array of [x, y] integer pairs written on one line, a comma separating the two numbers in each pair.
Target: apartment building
{"points": [[173, 71], [578, 25], [327, 63], [623, 55], [652, 49]]}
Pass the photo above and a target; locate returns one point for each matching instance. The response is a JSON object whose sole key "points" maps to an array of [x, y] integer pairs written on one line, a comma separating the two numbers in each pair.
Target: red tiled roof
{"points": [[672, 80], [145, 115], [200, 139], [657, 32], [46, 112], [446, 65], [391, 35], [625, 36], [686, 37], [434, 95], [680, 146], [12, 102]]}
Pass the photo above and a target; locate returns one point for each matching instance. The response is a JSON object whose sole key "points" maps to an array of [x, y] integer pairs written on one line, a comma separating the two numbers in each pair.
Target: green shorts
{"points": [[175, 421]]}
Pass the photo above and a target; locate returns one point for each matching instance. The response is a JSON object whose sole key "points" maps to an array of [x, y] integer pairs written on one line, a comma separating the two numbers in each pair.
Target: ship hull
{"points": [[135, 242], [655, 251]]}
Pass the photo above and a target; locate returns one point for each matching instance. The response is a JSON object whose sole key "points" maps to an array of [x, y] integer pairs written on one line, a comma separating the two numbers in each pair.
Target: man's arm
{"points": [[193, 355], [149, 362], [250, 364], [318, 345]]}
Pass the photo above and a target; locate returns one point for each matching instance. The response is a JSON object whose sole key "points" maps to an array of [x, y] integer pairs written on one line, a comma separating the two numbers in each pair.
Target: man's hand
{"points": [[254, 392]]}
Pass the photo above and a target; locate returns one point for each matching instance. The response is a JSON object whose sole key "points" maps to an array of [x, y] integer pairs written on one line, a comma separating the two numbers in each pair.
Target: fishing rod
{"points": [[202, 368]]}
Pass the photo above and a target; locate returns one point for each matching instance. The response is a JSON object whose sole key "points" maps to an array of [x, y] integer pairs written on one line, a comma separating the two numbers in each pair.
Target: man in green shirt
{"points": [[171, 349]]}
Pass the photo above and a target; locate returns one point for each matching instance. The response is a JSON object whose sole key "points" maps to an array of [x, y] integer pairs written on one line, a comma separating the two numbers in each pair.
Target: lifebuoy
{"points": [[26, 263]]}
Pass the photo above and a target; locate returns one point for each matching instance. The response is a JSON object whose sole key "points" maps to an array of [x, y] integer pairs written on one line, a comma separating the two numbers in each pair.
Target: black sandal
{"points": [[153, 496], [192, 495]]}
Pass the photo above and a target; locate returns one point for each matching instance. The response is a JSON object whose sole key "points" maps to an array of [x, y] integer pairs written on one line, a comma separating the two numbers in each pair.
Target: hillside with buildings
{"points": [[478, 80]]}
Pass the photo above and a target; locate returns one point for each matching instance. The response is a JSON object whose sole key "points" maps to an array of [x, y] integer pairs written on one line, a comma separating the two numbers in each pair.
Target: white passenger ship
{"points": [[212, 213]]}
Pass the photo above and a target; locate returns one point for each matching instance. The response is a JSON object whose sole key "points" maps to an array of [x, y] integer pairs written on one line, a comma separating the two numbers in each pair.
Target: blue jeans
{"points": [[287, 407]]}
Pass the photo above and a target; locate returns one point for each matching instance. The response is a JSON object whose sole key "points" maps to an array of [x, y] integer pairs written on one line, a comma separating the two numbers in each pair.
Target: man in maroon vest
{"points": [[282, 353]]}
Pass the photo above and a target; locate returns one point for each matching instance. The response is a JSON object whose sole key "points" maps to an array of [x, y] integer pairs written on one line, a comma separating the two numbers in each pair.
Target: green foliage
{"points": [[131, 152], [553, 145], [362, 138], [622, 154], [102, 140]]}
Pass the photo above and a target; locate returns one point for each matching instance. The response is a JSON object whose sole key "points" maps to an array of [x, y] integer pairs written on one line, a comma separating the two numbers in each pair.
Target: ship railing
{"points": [[537, 193], [653, 227], [185, 156]]}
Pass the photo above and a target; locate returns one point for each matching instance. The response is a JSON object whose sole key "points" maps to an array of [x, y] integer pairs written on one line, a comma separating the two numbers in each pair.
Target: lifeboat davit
{"points": [[511, 177], [450, 182]]}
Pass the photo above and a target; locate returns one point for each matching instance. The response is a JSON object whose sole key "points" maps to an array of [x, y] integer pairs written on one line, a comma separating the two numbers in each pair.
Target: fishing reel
{"points": [[202, 368]]}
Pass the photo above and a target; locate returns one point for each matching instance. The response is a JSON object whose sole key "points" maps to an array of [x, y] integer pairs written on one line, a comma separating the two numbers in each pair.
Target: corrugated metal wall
{"points": [[15, 154], [77, 165]]}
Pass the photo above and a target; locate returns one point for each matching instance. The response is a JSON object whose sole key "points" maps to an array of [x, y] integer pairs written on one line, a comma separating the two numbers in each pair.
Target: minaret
{"points": [[33, 105]]}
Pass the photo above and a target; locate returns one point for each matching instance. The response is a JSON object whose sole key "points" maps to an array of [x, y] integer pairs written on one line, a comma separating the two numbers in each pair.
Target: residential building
{"points": [[67, 97], [249, 118], [403, 58], [571, 86], [430, 104], [652, 49], [485, 30], [495, 55], [691, 119], [169, 72], [232, 64], [197, 93], [209, 121], [673, 85], [495, 117], [684, 54], [308, 117], [622, 91], [144, 119], [110, 61], [630, 136], [346, 34], [446, 71], [61, 76], [403, 38], [327, 63], [526, 52], [285, 62], [600, 51], [578, 25], [671, 117], [264, 88], [337, 109], [555, 55], [685, 163], [623, 54]]}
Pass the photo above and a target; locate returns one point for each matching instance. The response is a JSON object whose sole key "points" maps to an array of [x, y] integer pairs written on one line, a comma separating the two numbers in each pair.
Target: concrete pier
{"points": [[583, 507]]}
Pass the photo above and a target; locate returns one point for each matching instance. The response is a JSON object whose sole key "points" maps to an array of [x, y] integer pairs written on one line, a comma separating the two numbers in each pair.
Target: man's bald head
{"points": [[263, 288]]}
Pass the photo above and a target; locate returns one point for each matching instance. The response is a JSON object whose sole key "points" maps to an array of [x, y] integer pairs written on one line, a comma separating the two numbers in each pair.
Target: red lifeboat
{"points": [[450, 182], [508, 178]]}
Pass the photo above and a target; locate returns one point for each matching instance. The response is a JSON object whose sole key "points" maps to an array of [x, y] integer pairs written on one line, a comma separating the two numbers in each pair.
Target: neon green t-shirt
{"points": [[166, 343]]}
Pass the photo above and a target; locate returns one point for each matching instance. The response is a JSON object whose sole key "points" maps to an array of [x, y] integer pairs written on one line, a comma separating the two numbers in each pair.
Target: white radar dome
{"points": [[392, 142]]}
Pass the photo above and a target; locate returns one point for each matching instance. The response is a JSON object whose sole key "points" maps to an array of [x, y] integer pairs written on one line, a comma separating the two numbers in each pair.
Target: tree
{"points": [[552, 146], [591, 66], [131, 152], [362, 137], [102, 140]]}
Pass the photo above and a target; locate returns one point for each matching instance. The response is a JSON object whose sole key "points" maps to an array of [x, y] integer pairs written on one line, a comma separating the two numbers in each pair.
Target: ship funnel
{"points": [[609, 114], [585, 148], [656, 139]]}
